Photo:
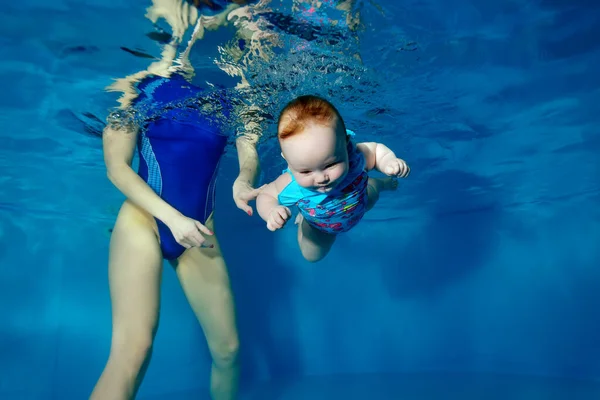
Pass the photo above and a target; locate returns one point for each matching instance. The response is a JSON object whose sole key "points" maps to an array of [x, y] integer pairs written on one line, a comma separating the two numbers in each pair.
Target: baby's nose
{"points": [[322, 179]]}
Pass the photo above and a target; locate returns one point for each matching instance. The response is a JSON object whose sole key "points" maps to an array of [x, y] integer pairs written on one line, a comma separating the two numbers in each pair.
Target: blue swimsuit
{"points": [[179, 152], [342, 208]]}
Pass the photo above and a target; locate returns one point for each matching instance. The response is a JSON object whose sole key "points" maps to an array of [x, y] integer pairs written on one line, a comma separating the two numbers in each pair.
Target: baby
{"points": [[326, 176]]}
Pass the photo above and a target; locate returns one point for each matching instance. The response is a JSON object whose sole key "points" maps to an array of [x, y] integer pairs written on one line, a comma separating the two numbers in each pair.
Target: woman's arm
{"points": [[248, 157], [119, 143], [244, 185], [119, 146]]}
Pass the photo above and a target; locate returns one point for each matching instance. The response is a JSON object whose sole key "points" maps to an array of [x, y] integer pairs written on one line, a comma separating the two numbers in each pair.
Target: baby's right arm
{"points": [[267, 204]]}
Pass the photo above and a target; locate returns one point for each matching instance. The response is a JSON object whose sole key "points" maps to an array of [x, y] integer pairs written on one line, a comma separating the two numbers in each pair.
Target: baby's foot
{"points": [[387, 183]]}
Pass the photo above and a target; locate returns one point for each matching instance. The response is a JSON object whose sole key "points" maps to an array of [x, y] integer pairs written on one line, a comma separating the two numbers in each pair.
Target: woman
{"points": [[168, 213]]}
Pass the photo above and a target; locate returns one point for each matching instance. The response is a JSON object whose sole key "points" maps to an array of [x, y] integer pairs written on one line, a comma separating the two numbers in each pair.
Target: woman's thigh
{"points": [[135, 268], [205, 282]]}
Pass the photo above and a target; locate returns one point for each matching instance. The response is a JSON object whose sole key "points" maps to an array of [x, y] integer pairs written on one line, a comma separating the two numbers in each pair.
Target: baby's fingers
{"points": [[284, 212], [278, 218], [392, 169], [404, 170], [273, 224]]}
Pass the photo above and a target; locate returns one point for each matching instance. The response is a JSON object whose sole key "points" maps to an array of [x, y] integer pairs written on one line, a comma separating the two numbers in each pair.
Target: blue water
{"points": [[478, 279]]}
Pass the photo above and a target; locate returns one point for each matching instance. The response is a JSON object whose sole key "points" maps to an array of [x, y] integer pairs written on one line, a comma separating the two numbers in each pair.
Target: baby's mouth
{"points": [[324, 188]]}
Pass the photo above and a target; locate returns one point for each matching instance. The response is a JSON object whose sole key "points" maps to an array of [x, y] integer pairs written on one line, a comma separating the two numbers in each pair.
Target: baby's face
{"points": [[317, 157]]}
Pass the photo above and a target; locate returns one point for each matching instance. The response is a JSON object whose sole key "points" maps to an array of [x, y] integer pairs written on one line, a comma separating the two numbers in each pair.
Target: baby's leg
{"points": [[314, 244], [377, 185]]}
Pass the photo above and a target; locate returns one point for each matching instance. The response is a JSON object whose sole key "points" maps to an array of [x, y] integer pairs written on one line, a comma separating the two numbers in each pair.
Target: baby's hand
{"points": [[396, 167], [278, 217]]}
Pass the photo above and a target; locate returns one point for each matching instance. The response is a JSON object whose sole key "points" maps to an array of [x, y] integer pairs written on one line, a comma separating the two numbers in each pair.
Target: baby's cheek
{"points": [[304, 181], [338, 172]]}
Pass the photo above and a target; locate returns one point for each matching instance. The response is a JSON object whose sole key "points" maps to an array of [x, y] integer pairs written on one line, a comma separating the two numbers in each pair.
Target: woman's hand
{"points": [[188, 232], [243, 193]]}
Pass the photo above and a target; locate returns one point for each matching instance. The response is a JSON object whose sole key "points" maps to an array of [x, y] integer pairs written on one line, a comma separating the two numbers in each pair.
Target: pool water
{"points": [[440, 386]]}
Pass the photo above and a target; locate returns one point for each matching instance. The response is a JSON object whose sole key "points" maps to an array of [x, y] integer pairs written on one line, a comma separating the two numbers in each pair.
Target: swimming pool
{"points": [[486, 275]]}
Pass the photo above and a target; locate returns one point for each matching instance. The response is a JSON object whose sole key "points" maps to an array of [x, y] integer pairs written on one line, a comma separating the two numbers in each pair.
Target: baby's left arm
{"points": [[380, 157]]}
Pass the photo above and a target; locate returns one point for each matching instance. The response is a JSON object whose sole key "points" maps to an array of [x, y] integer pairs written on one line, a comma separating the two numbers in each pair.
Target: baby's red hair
{"points": [[302, 111]]}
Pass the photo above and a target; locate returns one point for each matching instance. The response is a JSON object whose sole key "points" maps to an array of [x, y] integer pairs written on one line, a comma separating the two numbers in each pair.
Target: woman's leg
{"points": [[134, 270], [205, 281]]}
